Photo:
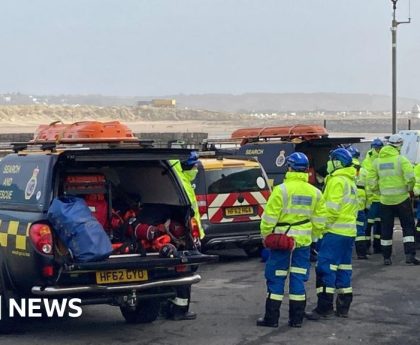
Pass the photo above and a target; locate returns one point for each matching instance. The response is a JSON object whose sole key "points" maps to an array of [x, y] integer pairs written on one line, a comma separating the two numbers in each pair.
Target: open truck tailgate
{"points": [[146, 262]]}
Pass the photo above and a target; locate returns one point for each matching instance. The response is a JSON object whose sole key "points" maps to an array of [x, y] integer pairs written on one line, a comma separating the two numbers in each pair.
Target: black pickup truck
{"points": [[32, 260]]}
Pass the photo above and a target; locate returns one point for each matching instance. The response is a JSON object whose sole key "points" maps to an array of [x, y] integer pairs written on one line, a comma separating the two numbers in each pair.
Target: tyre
{"points": [[145, 312], [253, 252]]}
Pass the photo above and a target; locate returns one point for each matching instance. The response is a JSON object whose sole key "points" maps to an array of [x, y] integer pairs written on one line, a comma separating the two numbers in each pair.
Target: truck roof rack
{"points": [[45, 145]]}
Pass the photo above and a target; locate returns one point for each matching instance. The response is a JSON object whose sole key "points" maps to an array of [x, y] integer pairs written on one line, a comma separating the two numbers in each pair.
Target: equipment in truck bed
{"points": [[94, 190]]}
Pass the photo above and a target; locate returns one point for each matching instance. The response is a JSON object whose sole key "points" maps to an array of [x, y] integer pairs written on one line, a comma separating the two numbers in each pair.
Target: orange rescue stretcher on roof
{"points": [[84, 131], [305, 132]]}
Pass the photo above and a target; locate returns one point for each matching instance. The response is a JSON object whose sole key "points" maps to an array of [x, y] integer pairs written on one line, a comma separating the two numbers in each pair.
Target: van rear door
{"points": [[237, 191]]}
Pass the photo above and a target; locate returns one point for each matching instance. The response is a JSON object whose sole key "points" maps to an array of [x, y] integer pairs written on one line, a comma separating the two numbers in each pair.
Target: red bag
{"points": [[279, 242]]}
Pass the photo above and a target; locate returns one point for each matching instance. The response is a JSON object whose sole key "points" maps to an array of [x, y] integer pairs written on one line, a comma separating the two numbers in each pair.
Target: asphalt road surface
{"points": [[386, 310]]}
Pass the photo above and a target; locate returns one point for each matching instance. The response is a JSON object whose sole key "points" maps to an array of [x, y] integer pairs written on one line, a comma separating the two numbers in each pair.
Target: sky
{"points": [[165, 47]]}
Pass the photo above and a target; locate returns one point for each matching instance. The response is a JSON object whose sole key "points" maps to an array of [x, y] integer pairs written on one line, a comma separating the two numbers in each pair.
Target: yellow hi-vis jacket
{"points": [[393, 175], [416, 189], [186, 180], [372, 196], [361, 186], [295, 201], [341, 201]]}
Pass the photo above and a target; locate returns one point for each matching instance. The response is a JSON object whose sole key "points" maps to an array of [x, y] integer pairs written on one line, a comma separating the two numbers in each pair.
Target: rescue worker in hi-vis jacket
{"points": [[360, 243], [373, 201], [334, 269], [178, 308], [393, 175], [295, 212]]}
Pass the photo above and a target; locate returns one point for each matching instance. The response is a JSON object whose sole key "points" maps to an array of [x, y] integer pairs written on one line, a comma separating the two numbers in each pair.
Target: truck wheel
{"points": [[146, 311], [253, 252]]}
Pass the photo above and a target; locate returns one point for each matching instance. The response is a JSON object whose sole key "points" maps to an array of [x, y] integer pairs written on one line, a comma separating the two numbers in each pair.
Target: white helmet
{"points": [[395, 140]]}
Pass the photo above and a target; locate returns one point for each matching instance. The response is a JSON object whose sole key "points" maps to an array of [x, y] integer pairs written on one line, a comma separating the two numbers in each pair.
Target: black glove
{"points": [[168, 251]]}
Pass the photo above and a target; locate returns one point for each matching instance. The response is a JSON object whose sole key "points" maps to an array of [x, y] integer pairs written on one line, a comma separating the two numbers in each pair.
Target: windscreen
{"points": [[233, 180]]}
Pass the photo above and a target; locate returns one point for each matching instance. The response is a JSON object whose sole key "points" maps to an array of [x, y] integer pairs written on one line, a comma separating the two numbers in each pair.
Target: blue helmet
{"points": [[191, 161], [377, 144], [354, 151], [343, 156], [297, 161]]}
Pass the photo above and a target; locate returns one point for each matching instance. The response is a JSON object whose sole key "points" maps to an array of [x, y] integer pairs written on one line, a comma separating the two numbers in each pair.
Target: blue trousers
{"points": [[282, 263], [334, 267], [374, 220], [361, 225]]}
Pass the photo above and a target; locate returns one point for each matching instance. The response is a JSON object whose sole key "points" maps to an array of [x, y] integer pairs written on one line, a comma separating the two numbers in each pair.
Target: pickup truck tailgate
{"points": [[146, 262]]}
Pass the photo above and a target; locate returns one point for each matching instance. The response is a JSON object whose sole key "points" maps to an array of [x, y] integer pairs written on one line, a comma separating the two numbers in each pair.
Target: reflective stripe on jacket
{"points": [[341, 201], [186, 182], [295, 200], [393, 174]]}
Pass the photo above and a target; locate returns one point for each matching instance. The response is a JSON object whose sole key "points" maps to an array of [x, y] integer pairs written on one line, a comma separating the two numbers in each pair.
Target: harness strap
{"points": [[289, 225]]}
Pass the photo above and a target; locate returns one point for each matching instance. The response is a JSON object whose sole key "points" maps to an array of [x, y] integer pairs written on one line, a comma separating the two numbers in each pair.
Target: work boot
{"points": [[361, 250], [342, 304], [296, 313], [189, 315], [387, 262], [272, 314], [179, 313], [324, 308], [315, 315], [367, 246], [411, 259]]}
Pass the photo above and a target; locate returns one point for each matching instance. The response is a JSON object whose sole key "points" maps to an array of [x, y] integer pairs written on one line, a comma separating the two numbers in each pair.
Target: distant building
{"points": [[164, 103], [415, 112], [141, 103]]}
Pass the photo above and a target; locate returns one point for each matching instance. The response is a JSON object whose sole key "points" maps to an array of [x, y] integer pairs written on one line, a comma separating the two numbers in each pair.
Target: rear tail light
{"points": [[195, 229], [42, 238], [202, 204], [181, 268]]}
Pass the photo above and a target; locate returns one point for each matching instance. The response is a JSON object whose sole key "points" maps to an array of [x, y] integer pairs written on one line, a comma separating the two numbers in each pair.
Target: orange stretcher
{"points": [[305, 132], [92, 131]]}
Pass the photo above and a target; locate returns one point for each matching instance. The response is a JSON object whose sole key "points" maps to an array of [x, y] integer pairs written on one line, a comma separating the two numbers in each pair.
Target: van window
{"points": [[231, 180]]}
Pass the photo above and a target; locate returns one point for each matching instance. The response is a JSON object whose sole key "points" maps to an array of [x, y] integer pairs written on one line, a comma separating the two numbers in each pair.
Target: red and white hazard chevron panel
{"points": [[235, 207]]}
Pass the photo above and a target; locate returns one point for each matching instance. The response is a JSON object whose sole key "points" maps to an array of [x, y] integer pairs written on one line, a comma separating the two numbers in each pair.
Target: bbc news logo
{"points": [[41, 307]]}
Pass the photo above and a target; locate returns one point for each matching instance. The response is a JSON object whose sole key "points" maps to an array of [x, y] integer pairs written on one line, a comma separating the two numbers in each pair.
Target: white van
{"points": [[411, 145]]}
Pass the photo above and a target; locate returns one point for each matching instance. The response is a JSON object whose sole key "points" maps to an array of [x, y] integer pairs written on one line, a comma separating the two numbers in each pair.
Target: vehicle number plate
{"points": [[121, 276], [239, 210]]}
